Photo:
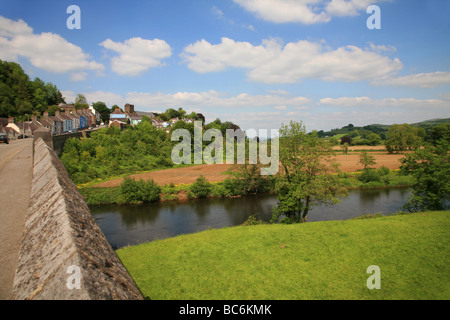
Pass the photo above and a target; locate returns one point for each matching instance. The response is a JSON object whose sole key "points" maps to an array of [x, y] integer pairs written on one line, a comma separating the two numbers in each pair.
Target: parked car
{"points": [[23, 136], [4, 138]]}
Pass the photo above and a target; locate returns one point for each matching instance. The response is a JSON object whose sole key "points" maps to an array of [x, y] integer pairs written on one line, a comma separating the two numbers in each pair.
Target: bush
{"points": [[253, 221], [369, 175], [201, 187], [383, 171], [220, 190], [132, 191]]}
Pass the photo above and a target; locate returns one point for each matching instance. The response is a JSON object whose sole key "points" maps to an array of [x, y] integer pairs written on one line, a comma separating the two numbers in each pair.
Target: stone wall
{"points": [[64, 255]]}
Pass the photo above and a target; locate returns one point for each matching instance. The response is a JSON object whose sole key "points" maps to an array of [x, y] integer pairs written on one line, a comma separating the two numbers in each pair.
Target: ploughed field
{"points": [[216, 172]]}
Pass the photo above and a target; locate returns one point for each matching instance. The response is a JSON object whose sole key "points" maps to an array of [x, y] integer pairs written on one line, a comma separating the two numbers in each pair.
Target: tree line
{"points": [[20, 96]]}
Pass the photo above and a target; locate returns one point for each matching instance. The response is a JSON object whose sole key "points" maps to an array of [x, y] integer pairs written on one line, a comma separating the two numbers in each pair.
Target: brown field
{"points": [[214, 172]]}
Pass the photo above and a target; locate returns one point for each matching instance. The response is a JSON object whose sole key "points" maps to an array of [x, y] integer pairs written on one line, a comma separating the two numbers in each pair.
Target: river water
{"points": [[134, 224]]}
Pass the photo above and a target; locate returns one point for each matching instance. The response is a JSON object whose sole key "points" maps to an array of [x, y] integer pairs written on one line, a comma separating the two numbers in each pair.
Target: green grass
{"points": [[318, 260]]}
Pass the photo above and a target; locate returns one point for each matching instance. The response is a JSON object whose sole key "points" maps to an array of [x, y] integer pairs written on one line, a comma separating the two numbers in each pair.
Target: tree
{"points": [[374, 139], [401, 137], [430, 166], [307, 174], [366, 159], [346, 139], [104, 111], [81, 102]]}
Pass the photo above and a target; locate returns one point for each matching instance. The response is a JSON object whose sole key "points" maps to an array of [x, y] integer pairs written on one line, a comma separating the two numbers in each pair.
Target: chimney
{"points": [[57, 113], [45, 115], [34, 118], [11, 120]]}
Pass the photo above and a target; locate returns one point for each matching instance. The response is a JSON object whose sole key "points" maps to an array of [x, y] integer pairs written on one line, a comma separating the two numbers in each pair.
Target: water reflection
{"points": [[133, 224]]}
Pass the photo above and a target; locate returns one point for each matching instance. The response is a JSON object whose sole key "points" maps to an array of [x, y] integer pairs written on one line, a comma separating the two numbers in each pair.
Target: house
{"points": [[67, 122], [96, 114], [118, 123], [117, 114], [57, 124], [75, 119], [134, 120], [84, 119], [11, 133]]}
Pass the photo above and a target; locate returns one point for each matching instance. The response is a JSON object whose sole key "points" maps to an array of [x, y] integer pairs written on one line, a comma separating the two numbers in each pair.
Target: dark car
{"points": [[23, 136], [4, 138]]}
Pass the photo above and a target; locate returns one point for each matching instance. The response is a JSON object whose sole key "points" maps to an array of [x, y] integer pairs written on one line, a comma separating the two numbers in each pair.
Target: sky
{"points": [[257, 63]]}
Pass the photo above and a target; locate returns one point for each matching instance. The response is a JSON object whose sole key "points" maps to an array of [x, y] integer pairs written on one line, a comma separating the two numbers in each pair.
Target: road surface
{"points": [[15, 186]]}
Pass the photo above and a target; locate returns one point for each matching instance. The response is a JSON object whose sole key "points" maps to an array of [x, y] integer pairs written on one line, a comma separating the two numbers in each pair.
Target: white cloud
{"points": [[203, 56], [271, 62], [388, 103], [80, 76], [421, 80], [343, 8], [137, 55], [304, 11], [109, 98], [10, 28], [211, 99], [282, 11], [47, 51]]}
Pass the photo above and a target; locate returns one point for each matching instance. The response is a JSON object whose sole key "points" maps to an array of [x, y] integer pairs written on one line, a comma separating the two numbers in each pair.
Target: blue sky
{"points": [[258, 63]]}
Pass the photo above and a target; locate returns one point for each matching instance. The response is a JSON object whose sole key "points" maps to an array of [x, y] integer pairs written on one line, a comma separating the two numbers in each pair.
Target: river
{"points": [[134, 224]]}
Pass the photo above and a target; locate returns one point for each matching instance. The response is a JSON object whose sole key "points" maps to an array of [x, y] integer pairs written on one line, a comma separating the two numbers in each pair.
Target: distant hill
{"points": [[360, 134]]}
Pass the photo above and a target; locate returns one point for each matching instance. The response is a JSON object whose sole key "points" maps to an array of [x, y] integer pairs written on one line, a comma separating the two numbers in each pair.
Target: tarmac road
{"points": [[15, 186]]}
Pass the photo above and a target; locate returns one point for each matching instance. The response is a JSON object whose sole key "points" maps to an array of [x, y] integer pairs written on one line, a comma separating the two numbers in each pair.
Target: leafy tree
{"points": [[81, 102], [430, 167], [19, 95], [441, 132], [374, 139], [346, 139], [104, 111], [366, 159], [401, 137], [307, 177]]}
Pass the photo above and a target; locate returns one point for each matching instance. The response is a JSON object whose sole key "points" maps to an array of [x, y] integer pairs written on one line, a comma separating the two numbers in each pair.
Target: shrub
{"points": [[369, 175], [383, 171], [201, 187], [234, 187], [220, 190], [132, 191], [252, 221]]}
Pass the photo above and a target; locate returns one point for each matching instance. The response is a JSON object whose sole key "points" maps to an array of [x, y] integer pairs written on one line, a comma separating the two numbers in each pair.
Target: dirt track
{"points": [[215, 173]]}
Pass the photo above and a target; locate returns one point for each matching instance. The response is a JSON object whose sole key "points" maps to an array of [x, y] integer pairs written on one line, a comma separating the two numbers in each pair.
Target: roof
{"points": [[117, 111]]}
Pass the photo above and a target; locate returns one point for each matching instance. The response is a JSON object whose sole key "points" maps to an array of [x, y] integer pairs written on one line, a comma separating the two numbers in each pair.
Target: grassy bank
{"points": [[319, 260]]}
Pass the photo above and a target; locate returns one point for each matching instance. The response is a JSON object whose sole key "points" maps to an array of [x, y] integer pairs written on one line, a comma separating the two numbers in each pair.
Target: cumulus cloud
{"points": [[47, 51], [282, 11], [137, 55], [304, 11], [271, 62]]}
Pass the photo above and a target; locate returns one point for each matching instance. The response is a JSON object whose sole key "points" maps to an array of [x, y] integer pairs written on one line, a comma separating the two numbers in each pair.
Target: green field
{"points": [[318, 260]]}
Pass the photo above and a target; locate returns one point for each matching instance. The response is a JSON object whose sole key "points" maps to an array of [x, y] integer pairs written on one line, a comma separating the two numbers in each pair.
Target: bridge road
{"points": [[15, 187]]}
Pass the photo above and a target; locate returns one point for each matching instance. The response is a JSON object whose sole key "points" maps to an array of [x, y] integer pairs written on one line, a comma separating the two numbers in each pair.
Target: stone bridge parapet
{"points": [[64, 255]]}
